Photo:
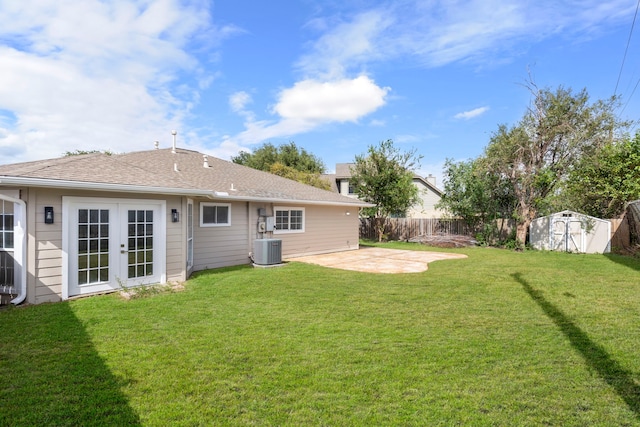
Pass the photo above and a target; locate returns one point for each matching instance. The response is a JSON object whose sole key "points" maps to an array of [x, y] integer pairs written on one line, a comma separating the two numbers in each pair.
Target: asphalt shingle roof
{"points": [[162, 169]]}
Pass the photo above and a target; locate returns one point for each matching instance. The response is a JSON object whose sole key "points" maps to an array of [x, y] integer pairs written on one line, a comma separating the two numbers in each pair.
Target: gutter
{"points": [[226, 196], [48, 183], [84, 185]]}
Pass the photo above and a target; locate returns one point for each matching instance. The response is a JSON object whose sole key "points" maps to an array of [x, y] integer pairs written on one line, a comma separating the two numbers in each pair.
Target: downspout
{"points": [[20, 235]]}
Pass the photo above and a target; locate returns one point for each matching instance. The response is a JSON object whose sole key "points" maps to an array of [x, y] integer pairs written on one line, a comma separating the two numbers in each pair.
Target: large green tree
{"points": [[288, 154], [536, 155], [286, 160], [480, 198], [601, 184], [383, 176]]}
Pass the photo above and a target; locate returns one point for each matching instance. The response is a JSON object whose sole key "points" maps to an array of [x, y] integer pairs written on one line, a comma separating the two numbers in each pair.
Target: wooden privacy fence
{"points": [[407, 228]]}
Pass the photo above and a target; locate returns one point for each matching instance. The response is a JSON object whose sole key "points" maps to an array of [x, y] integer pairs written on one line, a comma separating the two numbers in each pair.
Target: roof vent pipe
{"points": [[206, 161], [156, 144], [174, 133]]}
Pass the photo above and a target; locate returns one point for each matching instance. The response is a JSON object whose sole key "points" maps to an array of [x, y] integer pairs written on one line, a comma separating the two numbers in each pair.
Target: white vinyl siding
{"points": [[189, 234], [327, 229], [45, 256], [176, 242], [215, 247]]}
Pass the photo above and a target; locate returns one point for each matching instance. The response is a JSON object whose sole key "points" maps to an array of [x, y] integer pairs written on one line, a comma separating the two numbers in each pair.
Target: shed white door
{"points": [[567, 235], [114, 244]]}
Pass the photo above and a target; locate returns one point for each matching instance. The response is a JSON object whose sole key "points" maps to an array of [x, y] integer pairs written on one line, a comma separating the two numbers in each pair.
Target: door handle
{"points": [[122, 251]]}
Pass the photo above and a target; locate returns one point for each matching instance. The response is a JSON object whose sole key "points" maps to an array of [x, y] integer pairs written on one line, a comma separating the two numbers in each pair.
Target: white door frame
{"points": [[118, 254], [20, 244]]}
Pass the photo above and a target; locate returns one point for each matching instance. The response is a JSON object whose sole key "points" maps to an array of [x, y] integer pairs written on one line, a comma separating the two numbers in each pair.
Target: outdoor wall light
{"points": [[175, 216], [348, 213], [48, 214]]}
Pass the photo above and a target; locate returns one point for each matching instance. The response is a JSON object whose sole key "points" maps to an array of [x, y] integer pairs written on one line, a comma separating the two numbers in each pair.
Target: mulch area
{"points": [[445, 240]]}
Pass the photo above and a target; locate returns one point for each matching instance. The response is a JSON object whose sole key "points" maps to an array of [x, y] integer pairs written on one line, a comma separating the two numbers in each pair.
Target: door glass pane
{"points": [[140, 259], [8, 239], [92, 225], [7, 264], [6, 268]]}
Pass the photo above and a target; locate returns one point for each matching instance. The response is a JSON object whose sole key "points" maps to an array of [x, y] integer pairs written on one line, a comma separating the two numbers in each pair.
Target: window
{"points": [[215, 214], [289, 220], [6, 225]]}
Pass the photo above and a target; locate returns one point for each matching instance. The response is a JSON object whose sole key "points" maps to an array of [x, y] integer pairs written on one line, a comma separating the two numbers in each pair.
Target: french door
{"points": [[113, 244], [7, 264]]}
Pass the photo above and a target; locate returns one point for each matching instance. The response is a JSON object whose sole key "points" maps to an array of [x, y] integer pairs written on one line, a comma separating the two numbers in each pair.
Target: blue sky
{"points": [[332, 76]]}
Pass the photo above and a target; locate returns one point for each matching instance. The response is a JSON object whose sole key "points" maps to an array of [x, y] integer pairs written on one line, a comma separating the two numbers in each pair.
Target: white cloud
{"points": [[310, 104], [431, 34], [406, 138], [239, 100], [344, 100], [346, 44], [98, 75], [466, 115], [437, 33]]}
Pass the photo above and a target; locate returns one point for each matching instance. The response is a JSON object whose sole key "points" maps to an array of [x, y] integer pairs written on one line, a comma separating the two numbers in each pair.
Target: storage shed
{"points": [[570, 231]]}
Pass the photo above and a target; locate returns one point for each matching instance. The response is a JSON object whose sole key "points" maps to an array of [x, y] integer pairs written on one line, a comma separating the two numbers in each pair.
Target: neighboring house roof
{"points": [[332, 180], [343, 171], [427, 183], [163, 171]]}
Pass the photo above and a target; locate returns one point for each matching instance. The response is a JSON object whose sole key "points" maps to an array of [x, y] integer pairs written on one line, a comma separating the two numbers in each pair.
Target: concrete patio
{"points": [[379, 260]]}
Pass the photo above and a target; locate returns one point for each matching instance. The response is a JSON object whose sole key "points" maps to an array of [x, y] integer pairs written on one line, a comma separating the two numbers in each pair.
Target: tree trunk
{"points": [[525, 216], [380, 227], [521, 232]]}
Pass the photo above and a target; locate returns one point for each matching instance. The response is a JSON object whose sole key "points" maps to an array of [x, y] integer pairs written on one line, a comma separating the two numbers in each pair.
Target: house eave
{"points": [[100, 186], [217, 195], [127, 188]]}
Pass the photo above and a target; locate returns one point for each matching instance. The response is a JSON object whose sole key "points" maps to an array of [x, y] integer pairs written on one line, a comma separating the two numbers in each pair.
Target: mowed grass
{"points": [[500, 338]]}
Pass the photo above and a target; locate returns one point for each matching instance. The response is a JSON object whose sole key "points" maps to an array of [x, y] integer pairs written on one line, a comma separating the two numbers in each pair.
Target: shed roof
{"points": [[569, 213], [165, 171]]}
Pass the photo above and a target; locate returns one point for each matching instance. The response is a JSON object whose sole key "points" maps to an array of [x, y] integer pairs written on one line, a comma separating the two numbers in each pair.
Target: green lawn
{"points": [[501, 338]]}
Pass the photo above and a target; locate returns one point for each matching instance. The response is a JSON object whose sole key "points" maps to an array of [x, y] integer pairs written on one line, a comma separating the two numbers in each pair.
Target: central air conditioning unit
{"points": [[267, 251]]}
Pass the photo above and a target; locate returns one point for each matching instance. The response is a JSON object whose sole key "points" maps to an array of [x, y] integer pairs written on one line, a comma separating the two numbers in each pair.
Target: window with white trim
{"points": [[289, 220], [215, 214]]}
